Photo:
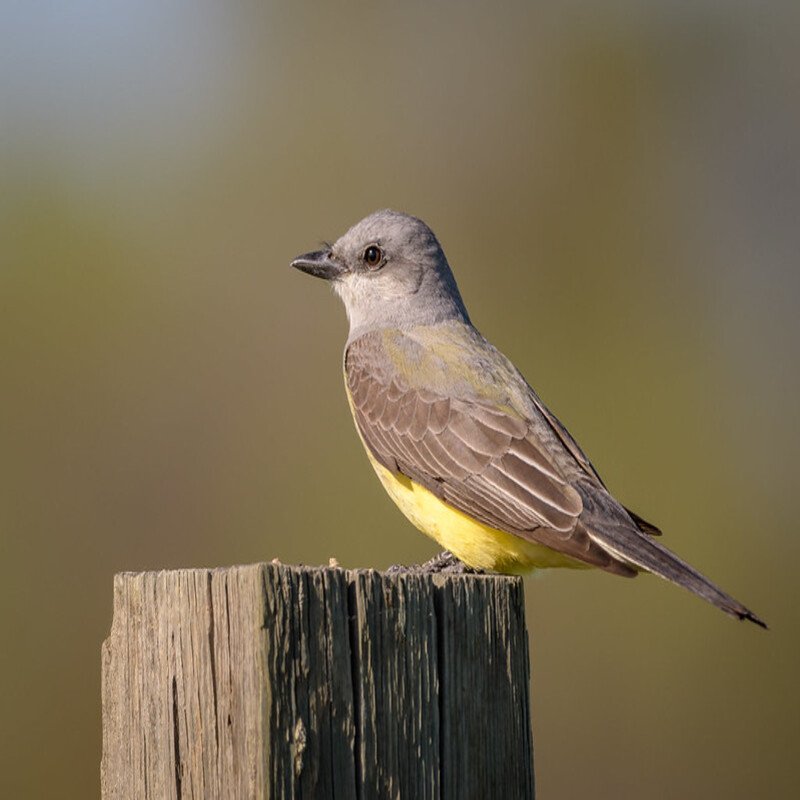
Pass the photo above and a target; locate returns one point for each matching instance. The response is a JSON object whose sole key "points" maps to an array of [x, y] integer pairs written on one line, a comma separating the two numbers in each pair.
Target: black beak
{"points": [[320, 264]]}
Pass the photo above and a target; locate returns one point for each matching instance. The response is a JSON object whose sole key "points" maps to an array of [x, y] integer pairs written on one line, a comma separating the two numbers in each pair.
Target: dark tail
{"points": [[631, 546]]}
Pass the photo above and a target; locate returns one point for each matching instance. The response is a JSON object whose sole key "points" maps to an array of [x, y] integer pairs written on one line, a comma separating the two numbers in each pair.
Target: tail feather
{"points": [[643, 524], [629, 545]]}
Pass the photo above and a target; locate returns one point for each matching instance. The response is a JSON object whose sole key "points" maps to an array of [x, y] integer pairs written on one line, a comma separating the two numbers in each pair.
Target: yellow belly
{"points": [[477, 545]]}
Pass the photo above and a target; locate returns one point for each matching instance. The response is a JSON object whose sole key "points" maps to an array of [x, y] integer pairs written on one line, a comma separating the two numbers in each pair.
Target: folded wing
{"points": [[479, 459]]}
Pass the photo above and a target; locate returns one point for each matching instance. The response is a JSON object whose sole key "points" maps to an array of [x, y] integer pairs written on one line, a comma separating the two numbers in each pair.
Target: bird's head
{"points": [[389, 271]]}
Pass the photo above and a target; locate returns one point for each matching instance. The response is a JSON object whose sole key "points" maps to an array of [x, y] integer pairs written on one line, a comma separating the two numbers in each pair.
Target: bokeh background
{"points": [[617, 186]]}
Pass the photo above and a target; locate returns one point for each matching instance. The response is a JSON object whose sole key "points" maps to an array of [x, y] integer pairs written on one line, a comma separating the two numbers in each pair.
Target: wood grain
{"points": [[267, 681]]}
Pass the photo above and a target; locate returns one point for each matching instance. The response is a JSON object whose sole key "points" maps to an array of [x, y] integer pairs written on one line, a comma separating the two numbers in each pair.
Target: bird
{"points": [[459, 439]]}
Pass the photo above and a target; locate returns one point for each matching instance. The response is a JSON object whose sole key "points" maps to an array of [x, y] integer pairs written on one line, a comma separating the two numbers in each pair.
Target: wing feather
{"points": [[405, 414], [445, 461], [480, 459], [469, 459], [419, 422], [483, 459], [440, 416], [540, 485], [476, 436]]}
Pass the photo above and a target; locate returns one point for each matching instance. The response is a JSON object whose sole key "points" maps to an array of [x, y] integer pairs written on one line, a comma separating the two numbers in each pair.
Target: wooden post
{"points": [[268, 681]]}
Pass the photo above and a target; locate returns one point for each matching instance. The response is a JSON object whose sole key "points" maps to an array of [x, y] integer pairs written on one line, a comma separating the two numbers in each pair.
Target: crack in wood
{"points": [[176, 738], [319, 683]]}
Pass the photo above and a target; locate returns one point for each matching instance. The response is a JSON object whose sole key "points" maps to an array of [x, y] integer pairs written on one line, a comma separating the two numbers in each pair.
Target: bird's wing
{"points": [[506, 471], [478, 458], [582, 459]]}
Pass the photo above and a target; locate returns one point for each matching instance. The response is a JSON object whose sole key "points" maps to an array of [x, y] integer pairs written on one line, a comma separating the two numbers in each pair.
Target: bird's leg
{"points": [[445, 562]]}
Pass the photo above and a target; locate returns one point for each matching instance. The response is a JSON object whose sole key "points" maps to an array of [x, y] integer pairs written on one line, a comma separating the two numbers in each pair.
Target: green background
{"points": [[618, 190]]}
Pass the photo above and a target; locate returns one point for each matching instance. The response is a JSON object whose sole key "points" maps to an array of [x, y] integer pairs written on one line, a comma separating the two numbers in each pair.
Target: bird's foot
{"points": [[445, 563]]}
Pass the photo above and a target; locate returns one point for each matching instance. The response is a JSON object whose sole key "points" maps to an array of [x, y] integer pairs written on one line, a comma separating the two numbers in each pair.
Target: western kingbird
{"points": [[460, 441]]}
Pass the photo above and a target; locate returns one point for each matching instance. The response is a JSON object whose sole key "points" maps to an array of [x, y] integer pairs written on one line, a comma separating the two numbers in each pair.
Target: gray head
{"points": [[390, 271]]}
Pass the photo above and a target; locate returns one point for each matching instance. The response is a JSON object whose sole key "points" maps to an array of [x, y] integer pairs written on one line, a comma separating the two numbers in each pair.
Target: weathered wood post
{"points": [[268, 681]]}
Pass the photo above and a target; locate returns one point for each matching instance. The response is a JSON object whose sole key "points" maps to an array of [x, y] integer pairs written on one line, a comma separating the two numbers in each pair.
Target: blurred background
{"points": [[617, 186]]}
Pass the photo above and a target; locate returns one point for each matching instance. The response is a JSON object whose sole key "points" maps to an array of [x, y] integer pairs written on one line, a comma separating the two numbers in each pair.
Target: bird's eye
{"points": [[373, 256]]}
